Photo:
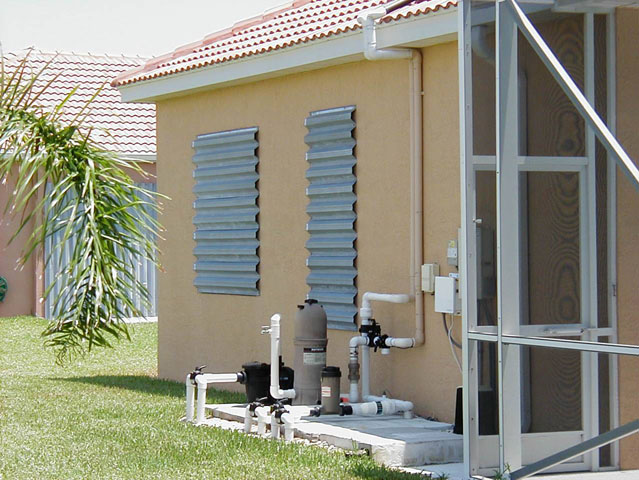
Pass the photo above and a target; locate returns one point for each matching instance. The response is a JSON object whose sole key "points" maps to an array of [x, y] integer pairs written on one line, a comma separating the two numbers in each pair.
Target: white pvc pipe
{"points": [[289, 420], [190, 398], [248, 419], [275, 427], [275, 390], [367, 311], [262, 415], [365, 314], [382, 407], [202, 381], [400, 342], [353, 345]]}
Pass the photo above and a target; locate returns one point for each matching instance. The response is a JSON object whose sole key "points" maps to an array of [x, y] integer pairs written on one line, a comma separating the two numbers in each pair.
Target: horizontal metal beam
{"points": [[572, 452], [573, 92], [558, 343], [580, 345]]}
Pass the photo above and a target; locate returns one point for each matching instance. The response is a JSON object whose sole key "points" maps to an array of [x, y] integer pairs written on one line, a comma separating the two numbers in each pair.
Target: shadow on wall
{"points": [[154, 386]]}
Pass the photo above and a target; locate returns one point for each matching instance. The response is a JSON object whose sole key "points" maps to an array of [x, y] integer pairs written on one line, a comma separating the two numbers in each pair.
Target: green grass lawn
{"points": [[108, 417]]}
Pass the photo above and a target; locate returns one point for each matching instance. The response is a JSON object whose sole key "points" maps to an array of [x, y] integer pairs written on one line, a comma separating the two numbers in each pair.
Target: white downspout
{"points": [[275, 390], [371, 52]]}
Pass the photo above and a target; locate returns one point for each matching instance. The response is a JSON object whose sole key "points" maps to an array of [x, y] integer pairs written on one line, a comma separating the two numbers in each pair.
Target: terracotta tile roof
{"points": [[128, 128], [298, 22]]}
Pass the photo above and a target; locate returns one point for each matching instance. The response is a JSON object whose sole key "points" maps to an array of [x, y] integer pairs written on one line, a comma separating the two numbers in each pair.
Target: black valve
{"points": [[380, 342], [345, 410], [372, 331], [315, 412], [253, 406], [196, 372], [278, 413]]}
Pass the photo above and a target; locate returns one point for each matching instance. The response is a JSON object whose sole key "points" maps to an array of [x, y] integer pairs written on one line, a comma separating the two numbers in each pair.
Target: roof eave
{"points": [[417, 31]]}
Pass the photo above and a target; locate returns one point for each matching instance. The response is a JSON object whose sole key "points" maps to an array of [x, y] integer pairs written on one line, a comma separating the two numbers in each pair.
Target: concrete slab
{"points": [[392, 440], [624, 475], [454, 471]]}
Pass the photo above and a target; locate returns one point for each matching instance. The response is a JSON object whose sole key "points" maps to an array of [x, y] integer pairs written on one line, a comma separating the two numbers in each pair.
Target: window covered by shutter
{"points": [[331, 226], [226, 240]]}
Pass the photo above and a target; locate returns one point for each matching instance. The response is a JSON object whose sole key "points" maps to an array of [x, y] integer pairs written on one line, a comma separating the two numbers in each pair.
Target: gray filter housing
{"points": [[310, 352]]}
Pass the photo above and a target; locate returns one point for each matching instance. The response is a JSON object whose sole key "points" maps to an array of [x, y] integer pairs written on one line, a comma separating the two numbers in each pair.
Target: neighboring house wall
{"points": [[223, 330], [628, 226], [21, 298], [21, 294]]}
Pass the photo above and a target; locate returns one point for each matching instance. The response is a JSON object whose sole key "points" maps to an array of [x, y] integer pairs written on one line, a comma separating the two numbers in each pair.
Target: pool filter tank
{"points": [[310, 352]]}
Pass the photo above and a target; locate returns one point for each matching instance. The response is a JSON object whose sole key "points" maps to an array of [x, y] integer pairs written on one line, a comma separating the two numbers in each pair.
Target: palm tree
{"points": [[89, 197]]}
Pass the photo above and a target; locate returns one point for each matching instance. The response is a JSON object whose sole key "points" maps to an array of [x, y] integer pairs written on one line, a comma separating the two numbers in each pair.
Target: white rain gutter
{"points": [[372, 52]]}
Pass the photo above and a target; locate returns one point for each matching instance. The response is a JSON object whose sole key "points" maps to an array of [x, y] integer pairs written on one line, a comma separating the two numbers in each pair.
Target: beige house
{"points": [[307, 156], [128, 129]]}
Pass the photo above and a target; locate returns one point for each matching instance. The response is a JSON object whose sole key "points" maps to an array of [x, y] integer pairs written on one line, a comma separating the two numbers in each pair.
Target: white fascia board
{"points": [[421, 30]]}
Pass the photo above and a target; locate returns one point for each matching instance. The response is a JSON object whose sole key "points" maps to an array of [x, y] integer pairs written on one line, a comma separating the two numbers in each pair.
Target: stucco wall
{"points": [[223, 330], [20, 297], [628, 227]]}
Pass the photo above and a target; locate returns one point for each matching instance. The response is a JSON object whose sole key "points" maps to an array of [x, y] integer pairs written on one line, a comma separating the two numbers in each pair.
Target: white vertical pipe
{"points": [[289, 421], [275, 427], [201, 402], [248, 419], [262, 414], [190, 398], [275, 390]]}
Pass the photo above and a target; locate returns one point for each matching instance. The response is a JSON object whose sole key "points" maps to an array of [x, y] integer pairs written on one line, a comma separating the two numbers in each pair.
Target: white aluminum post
{"points": [[468, 246], [508, 242], [611, 112], [589, 312]]}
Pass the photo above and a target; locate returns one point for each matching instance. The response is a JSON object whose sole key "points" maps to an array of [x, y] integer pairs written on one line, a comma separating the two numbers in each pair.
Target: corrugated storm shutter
{"points": [[331, 226], [59, 254], [226, 212]]}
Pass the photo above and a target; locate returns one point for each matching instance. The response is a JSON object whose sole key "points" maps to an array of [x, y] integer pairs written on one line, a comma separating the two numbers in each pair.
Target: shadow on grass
{"points": [[154, 386]]}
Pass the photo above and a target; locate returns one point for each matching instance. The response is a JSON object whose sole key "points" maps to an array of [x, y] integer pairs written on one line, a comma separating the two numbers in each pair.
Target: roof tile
{"points": [[127, 128], [298, 22]]}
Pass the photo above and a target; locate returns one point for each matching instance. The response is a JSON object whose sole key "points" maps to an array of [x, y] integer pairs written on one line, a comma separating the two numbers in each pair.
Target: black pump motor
{"points": [[257, 380]]}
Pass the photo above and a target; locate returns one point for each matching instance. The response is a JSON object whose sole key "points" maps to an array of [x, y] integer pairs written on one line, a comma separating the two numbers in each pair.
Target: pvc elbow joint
{"points": [[278, 393]]}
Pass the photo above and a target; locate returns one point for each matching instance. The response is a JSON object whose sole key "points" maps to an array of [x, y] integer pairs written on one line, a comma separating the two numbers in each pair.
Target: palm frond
{"points": [[85, 192]]}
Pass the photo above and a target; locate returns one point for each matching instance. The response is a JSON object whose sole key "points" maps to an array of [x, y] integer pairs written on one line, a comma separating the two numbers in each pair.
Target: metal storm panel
{"points": [[226, 212], [331, 192], [58, 253]]}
